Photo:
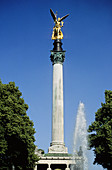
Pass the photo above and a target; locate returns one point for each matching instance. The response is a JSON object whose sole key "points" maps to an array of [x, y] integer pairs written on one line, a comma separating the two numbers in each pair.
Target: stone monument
{"points": [[57, 58], [57, 156]]}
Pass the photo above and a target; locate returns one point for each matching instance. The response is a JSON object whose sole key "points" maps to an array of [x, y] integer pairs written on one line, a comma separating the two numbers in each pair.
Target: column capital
{"points": [[57, 57]]}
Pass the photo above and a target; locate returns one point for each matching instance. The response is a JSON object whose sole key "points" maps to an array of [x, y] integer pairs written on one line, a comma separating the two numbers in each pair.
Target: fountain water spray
{"points": [[80, 137]]}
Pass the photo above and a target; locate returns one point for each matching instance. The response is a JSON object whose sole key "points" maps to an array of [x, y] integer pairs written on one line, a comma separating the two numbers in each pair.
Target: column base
{"points": [[58, 148]]}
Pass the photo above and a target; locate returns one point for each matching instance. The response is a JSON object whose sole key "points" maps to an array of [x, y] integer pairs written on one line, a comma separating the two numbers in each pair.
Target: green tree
{"points": [[16, 130], [101, 137]]}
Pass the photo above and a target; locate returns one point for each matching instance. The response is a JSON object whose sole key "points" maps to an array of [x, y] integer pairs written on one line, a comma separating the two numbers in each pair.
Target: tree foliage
{"points": [[16, 130], [101, 137]]}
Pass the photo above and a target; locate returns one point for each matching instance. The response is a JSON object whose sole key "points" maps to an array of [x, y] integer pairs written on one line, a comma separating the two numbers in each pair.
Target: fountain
{"points": [[80, 139]]}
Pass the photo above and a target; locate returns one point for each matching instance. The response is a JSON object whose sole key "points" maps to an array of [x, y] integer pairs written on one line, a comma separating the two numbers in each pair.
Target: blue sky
{"points": [[25, 44]]}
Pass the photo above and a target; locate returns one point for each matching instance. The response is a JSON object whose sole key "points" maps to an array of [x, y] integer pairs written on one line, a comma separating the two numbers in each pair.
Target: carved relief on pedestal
{"points": [[58, 149]]}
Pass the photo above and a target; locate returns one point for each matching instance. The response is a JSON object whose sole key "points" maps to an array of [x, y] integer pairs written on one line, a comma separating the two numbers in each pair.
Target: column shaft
{"points": [[57, 108]]}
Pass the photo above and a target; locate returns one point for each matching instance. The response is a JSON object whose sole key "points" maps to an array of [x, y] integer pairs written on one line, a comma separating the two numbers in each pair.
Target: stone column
{"points": [[67, 167], [49, 167], [57, 111], [35, 167], [57, 58]]}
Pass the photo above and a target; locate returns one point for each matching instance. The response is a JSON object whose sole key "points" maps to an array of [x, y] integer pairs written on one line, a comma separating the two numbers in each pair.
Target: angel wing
{"points": [[63, 18], [53, 15]]}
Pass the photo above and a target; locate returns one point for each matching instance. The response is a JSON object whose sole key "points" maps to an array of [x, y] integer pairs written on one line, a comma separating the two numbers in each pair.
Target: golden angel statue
{"points": [[57, 33]]}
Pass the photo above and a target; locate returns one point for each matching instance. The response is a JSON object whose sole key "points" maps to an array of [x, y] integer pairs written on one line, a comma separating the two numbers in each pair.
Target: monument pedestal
{"points": [[59, 161]]}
